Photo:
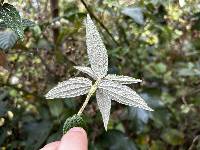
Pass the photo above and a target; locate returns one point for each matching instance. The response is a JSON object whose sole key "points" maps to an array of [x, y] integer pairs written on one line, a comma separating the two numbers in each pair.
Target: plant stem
{"points": [[90, 93]]}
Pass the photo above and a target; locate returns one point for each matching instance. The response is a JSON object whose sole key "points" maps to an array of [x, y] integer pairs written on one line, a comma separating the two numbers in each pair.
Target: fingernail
{"points": [[77, 129]]}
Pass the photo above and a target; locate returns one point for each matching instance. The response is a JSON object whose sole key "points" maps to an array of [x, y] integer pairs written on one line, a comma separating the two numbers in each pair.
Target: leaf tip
{"points": [[88, 16], [149, 109], [105, 123], [47, 96], [76, 67]]}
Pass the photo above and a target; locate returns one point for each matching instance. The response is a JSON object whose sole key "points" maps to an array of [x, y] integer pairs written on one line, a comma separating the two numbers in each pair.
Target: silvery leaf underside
{"points": [[104, 104], [123, 94], [86, 70], [70, 88], [122, 79], [96, 50]]}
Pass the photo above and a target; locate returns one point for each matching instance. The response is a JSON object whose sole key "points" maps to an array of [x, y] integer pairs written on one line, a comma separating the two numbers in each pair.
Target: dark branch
{"points": [[55, 14]]}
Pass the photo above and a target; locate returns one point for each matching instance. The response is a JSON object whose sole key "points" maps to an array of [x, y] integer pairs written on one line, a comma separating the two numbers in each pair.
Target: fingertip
{"points": [[51, 146], [74, 139], [78, 129]]}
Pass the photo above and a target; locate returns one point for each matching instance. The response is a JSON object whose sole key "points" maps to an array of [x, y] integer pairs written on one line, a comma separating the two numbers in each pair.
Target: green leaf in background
{"points": [[138, 119], [37, 134], [7, 39], [54, 137], [139, 114], [74, 121], [196, 24], [152, 99], [173, 136], [115, 140], [161, 118], [3, 94], [167, 98], [10, 16], [70, 103], [189, 69], [157, 145], [56, 107], [135, 13], [3, 108], [3, 136], [160, 68]]}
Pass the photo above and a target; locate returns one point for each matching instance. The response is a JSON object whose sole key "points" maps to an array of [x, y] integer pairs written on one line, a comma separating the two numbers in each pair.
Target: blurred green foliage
{"points": [[155, 40]]}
